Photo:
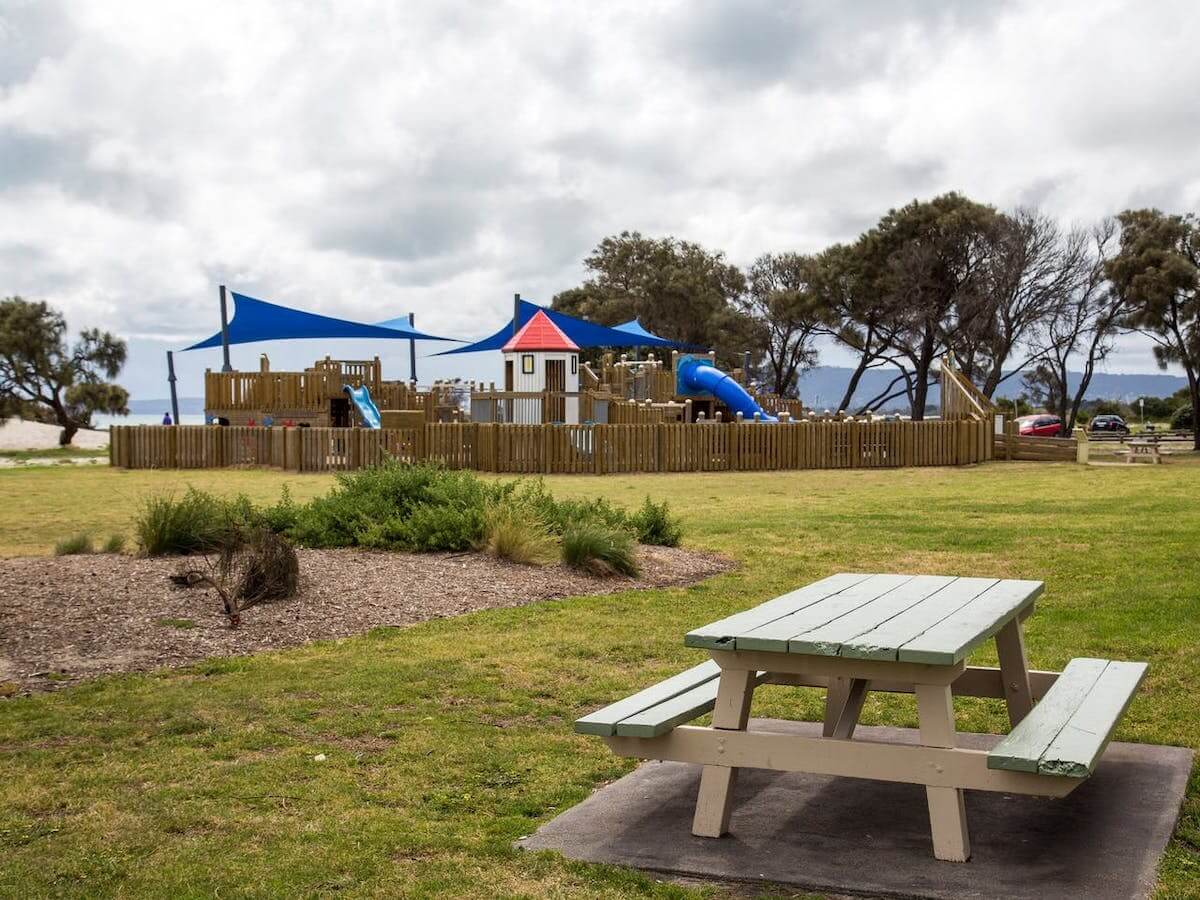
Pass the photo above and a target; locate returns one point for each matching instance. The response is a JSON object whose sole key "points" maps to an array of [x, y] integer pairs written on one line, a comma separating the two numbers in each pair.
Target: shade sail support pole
{"points": [[225, 365], [516, 314], [412, 351], [171, 382]]}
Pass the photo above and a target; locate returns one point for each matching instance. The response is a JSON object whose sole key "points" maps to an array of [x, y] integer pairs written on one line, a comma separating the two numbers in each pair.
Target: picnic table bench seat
{"points": [[1067, 731], [660, 707]]}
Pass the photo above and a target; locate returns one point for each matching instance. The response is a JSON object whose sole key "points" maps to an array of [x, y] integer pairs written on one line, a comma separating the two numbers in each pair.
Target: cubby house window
{"points": [[574, 365], [526, 363]]}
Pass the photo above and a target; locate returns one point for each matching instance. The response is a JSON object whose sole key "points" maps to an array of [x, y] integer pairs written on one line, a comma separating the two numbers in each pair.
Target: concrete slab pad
{"points": [[855, 836]]}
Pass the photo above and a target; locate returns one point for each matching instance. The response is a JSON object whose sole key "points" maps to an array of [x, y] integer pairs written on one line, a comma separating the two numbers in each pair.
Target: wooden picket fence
{"points": [[592, 449]]}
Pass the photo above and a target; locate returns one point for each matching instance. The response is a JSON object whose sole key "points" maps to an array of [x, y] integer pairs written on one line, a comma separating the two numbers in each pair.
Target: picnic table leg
{"points": [[843, 703], [947, 814], [835, 699], [1014, 671], [715, 799]]}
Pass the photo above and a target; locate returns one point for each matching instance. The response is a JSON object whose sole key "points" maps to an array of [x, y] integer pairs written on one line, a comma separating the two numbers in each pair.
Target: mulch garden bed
{"points": [[65, 619]]}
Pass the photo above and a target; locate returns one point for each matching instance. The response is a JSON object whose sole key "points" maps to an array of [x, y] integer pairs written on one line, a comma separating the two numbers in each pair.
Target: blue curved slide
{"points": [[696, 375], [361, 398]]}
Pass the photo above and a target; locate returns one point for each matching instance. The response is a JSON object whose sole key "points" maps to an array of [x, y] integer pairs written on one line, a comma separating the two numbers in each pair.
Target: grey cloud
{"points": [[30, 159], [819, 45], [31, 31]]}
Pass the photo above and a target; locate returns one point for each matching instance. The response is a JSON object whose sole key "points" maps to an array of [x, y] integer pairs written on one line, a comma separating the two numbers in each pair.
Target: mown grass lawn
{"points": [[445, 742]]}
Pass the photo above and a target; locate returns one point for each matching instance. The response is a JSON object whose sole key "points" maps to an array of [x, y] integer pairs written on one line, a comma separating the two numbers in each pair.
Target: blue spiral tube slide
{"points": [[361, 398], [696, 375]]}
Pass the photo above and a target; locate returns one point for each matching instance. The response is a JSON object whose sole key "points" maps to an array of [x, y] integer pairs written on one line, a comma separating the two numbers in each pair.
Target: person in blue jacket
{"points": [[167, 419]]}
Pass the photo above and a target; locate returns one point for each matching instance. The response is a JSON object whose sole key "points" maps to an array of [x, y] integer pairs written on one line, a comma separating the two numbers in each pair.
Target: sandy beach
{"points": [[18, 434]]}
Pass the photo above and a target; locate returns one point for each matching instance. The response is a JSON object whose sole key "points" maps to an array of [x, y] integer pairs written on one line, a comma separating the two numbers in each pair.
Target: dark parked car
{"points": [[1114, 424], [1039, 426]]}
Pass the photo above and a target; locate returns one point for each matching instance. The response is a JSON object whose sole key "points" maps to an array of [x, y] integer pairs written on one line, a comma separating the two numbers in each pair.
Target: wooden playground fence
{"points": [[1013, 446], [554, 449]]}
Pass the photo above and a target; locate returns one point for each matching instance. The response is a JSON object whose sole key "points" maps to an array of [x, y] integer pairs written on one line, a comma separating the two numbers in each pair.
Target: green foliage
{"points": [[74, 545], [398, 507], [114, 544], [1106, 408], [599, 550], [514, 531], [677, 288], [194, 523], [558, 515], [654, 524], [1183, 420], [37, 368], [282, 516]]}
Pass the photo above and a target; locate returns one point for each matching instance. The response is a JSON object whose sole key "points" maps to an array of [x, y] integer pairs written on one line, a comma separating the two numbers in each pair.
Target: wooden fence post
{"points": [[1081, 446], [1010, 439], [599, 447], [734, 454]]}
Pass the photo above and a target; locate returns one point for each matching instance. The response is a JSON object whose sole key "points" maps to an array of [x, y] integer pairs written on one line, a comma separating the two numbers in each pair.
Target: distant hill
{"points": [[188, 406], [822, 386]]}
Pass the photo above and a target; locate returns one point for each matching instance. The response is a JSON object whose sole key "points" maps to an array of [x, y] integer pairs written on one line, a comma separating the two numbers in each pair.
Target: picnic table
{"points": [[1144, 449], [853, 633]]}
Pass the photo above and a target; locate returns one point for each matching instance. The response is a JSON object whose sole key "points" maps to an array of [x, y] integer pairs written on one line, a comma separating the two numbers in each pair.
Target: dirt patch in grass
{"points": [[69, 618]]}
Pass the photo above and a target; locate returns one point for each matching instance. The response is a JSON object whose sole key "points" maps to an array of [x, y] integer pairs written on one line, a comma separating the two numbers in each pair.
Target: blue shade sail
{"points": [[584, 334], [257, 320]]}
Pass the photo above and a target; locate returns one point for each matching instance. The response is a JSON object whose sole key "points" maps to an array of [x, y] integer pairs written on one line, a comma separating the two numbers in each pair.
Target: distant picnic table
{"points": [[853, 633]]}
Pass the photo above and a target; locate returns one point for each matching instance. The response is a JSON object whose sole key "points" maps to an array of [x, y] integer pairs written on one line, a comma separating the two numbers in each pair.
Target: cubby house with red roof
{"points": [[540, 358]]}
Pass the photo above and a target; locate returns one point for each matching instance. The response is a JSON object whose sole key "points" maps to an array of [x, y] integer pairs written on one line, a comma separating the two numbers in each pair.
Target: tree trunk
{"points": [[69, 430]]}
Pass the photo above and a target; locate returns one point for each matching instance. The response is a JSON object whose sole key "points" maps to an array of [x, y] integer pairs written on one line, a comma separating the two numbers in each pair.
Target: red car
{"points": [[1040, 426]]}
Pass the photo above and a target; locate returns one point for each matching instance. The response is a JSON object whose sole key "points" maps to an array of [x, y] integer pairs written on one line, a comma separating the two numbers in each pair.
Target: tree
{"points": [[678, 289], [1157, 270], [1082, 326], [782, 298], [1032, 268], [37, 368], [919, 276]]}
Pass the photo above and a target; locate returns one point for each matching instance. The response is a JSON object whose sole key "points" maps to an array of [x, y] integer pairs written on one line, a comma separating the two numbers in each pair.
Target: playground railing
{"points": [[552, 449]]}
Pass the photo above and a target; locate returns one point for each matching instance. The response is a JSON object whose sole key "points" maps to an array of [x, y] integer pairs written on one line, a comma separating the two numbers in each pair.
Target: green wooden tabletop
{"points": [[936, 619]]}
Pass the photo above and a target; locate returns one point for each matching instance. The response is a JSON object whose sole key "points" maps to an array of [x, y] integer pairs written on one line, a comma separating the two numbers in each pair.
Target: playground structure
{"points": [[556, 412], [545, 382]]}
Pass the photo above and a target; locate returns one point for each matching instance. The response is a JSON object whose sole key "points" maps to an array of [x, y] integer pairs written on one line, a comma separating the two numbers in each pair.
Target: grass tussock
{"points": [[114, 544], [514, 532], [177, 526], [75, 545], [600, 550]]}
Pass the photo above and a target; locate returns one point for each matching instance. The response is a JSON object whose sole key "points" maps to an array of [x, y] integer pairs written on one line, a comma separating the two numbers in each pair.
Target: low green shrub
{"points": [[114, 544], [193, 523], [282, 516], [515, 532], [74, 545], [1182, 420], [398, 507], [600, 550], [654, 524]]}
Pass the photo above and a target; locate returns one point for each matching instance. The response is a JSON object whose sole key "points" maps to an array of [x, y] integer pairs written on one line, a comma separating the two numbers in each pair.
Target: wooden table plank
{"points": [[1075, 749], [885, 641], [775, 635], [827, 639], [1021, 750], [604, 721], [719, 635], [951, 639]]}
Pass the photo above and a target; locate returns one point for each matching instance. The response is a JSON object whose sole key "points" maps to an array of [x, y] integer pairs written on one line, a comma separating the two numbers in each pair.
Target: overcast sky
{"points": [[370, 159]]}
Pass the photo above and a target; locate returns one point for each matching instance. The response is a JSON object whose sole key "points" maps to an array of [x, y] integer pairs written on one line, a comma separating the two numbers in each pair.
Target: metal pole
{"points": [[516, 313], [171, 381], [412, 351], [225, 366]]}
